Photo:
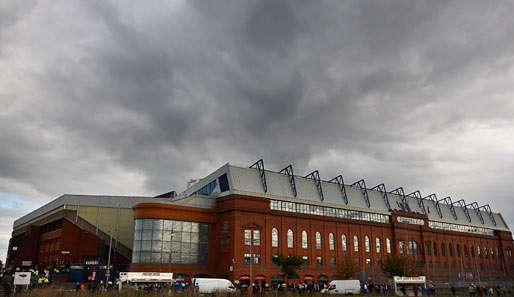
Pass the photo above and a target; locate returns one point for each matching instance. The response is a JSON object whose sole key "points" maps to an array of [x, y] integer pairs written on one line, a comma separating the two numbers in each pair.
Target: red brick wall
{"points": [[237, 212]]}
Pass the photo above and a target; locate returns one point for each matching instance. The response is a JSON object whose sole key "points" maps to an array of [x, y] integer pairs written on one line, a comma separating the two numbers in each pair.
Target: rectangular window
{"points": [[332, 261], [248, 236], [319, 260], [223, 181], [256, 237], [305, 260], [247, 258]]}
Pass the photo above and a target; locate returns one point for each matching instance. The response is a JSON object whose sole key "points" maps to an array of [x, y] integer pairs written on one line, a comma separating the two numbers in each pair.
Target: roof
{"points": [[83, 200], [257, 181]]}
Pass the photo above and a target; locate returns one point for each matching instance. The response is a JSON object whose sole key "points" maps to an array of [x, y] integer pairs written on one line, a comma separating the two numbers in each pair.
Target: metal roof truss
{"points": [[382, 189], [340, 182], [259, 165], [362, 186], [315, 176], [289, 172]]}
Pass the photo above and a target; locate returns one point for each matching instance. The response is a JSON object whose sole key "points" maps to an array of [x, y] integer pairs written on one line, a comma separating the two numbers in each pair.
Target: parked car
{"points": [[349, 286], [212, 285]]}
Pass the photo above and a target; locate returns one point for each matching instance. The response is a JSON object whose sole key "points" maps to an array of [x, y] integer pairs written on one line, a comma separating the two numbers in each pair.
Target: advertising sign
{"points": [[22, 278], [146, 277]]}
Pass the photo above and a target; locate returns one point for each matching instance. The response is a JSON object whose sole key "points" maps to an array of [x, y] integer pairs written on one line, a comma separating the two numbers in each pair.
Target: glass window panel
{"points": [[166, 246], [156, 258], [157, 234], [146, 245], [195, 237], [168, 225], [194, 227], [177, 236], [147, 224], [157, 224], [186, 226], [194, 248], [136, 246], [136, 257], [156, 245], [138, 225], [146, 235], [184, 247], [167, 234], [177, 226], [186, 237], [166, 257], [146, 257], [137, 235], [175, 246]]}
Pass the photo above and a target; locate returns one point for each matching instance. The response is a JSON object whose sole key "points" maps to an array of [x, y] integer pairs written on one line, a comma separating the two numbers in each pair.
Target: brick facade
{"points": [[235, 213]]}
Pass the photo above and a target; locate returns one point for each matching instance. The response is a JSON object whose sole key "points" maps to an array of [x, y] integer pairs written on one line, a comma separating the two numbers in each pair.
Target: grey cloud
{"points": [[131, 98]]}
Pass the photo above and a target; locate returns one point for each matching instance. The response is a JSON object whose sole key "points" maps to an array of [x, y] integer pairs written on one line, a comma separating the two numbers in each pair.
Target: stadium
{"points": [[235, 220]]}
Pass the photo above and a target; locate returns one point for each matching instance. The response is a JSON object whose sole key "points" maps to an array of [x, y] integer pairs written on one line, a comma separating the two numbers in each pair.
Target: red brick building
{"points": [[231, 224]]}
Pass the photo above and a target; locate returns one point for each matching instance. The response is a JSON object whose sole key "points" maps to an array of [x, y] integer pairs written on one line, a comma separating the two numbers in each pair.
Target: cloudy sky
{"points": [[122, 97]]}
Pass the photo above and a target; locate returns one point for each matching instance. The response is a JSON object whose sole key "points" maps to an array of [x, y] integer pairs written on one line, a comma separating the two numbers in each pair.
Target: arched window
{"points": [[412, 248], [318, 241], [355, 243], [443, 249], [343, 243], [388, 245], [290, 238], [367, 244], [401, 247], [450, 249], [305, 239], [377, 245], [274, 237], [436, 249], [331, 242]]}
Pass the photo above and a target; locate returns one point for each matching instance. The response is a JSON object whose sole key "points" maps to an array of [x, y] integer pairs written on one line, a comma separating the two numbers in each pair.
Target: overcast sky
{"points": [[135, 98]]}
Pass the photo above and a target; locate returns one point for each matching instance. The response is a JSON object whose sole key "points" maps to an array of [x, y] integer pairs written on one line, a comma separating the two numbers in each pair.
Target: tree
{"points": [[398, 265], [288, 264], [348, 268]]}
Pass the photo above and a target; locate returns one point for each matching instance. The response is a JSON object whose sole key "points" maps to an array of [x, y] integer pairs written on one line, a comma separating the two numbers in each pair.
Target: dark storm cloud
{"points": [[136, 98]]}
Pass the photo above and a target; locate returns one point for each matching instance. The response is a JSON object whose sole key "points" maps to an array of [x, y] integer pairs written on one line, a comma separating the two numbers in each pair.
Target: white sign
{"points": [[22, 278], [412, 221], [65, 252], [146, 277], [26, 263], [409, 279]]}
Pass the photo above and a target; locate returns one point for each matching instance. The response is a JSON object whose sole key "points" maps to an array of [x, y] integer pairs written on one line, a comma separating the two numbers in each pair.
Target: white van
{"points": [[349, 286], [212, 285]]}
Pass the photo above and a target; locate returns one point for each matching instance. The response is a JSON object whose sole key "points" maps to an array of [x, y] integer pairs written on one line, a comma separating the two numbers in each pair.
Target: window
{"points": [[305, 239], [388, 245], [429, 248], [223, 181], [305, 259], [443, 249], [401, 247], [248, 258], [290, 238], [367, 247], [170, 241], [332, 261], [207, 189], [435, 248], [318, 241], [368, 263], [450, 249], [377, 245], [331, 241], [274, 237], [248, 236], [319, 260], [256, 237], [343, 243], [412, 248], [465, 250], [355, 243]]}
